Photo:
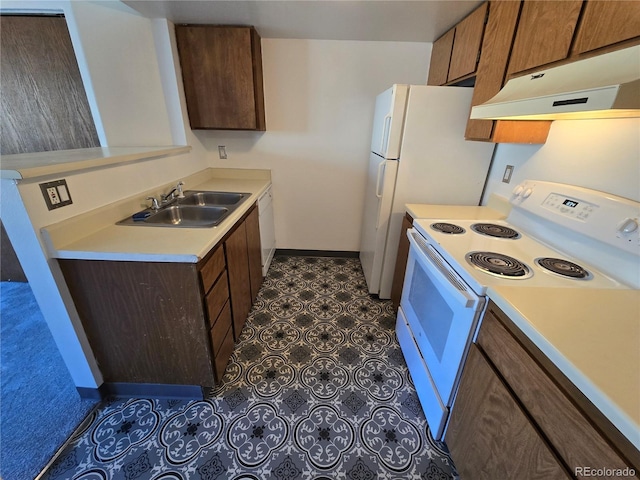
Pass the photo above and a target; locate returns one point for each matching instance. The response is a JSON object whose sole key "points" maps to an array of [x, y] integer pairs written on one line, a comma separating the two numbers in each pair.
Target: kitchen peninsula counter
{"points": [[592, 336], [95, 236]]}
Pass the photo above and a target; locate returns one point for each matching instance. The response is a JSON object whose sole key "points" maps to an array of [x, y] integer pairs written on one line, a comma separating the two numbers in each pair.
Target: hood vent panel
{"points": [[606, 86]]}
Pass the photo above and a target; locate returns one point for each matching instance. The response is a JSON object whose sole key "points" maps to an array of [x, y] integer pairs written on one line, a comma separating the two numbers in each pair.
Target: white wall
{"points": [[598, 154], [319, 99]]}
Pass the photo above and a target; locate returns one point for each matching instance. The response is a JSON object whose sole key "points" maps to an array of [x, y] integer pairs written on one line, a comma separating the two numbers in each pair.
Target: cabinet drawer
{"points": [[212, 269], [220, 327], [217, 297], [556, 415], [222, 358]]}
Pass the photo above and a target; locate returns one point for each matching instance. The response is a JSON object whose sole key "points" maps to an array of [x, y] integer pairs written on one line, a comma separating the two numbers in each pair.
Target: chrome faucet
{"points": [[176, 192], [154, 203]]}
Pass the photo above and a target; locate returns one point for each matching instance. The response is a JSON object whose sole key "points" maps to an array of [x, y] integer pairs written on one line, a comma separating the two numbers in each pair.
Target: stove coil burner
{"points": [[448, 228], [493, 230], [499, 265], [564, 268]]}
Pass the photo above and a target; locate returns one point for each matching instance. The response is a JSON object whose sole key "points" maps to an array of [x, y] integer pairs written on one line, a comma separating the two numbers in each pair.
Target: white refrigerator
{"points": [[418, 155]]}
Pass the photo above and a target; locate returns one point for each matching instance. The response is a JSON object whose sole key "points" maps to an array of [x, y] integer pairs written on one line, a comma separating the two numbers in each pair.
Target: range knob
{"points": [[628, 225], [527, 193], [518, 190]]}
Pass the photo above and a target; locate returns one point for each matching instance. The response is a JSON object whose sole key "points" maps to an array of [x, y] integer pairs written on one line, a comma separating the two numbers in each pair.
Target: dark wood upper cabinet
{"points": [[222, 76], [496, 46], [544, 34], [440, 59], [605, 23], [455, 54], [466, 45]]}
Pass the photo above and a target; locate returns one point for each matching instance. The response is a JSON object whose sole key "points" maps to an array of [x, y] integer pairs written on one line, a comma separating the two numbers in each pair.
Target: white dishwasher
{"points": [[267, 228]]}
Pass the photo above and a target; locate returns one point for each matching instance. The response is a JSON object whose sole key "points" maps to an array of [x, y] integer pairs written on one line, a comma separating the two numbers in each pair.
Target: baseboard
{"points": [[142, 390], [92, 393], [284, 252]]}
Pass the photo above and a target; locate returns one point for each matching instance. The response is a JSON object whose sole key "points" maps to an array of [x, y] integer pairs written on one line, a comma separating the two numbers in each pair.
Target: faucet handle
{"points": [[154, 203], [179, 189]]}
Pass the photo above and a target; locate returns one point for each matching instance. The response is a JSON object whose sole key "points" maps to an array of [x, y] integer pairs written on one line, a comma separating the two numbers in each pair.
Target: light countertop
{"points": [[95, 235], [38, 164], [496, 209], [592, 336]]}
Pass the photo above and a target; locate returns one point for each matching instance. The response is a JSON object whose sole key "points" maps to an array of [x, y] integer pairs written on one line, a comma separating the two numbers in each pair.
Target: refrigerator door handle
{"points": [[380, 170], [384, 141]]}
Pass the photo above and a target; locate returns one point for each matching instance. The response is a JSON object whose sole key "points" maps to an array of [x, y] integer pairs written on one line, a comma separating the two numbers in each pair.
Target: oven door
{"points": [[441, 311]]}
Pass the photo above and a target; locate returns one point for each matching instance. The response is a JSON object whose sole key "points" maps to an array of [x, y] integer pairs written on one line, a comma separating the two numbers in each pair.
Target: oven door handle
{"points": [[448, 279]]}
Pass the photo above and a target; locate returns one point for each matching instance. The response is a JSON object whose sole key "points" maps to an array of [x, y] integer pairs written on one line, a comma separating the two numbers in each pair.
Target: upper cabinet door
{"points": [[544, 33], [466, 45], [496, 46], [605, 23], [440, 58], [222, 74]]}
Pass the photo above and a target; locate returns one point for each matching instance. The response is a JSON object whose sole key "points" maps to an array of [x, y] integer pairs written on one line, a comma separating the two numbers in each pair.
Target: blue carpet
{"points": [[40, 406]]}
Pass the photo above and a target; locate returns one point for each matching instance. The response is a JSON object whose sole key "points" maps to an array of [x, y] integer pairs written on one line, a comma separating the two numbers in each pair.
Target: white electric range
{"points": [[556, 235]]}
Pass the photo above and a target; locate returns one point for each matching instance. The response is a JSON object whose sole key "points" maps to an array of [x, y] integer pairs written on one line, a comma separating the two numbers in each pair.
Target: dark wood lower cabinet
{"points": [[167, 323], [490, 437], [517, 416], [401, 261], [144, 321]]}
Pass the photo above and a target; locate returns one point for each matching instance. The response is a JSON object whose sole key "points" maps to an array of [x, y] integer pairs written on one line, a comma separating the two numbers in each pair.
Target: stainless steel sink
{"points": [[212, 198], [188, 216], [198, 209]]}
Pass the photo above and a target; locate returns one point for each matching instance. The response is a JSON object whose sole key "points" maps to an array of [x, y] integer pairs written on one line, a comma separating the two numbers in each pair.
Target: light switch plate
{"points": [[56, 194], [506, 177]]}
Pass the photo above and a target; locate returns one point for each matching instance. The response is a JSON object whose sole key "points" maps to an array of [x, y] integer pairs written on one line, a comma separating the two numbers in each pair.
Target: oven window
{"points": [[432, 311]]}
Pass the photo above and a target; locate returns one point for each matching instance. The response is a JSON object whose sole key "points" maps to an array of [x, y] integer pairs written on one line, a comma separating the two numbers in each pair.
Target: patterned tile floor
{"points": [[317, 388]]}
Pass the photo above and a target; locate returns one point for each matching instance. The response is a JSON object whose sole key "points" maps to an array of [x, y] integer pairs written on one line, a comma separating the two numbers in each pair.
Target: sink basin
{"points": [[198, 209], [212, 198], [188, 216]]}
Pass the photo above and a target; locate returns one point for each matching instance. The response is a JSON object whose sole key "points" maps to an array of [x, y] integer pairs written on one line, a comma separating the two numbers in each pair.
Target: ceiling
{"points": [[371, 20]]}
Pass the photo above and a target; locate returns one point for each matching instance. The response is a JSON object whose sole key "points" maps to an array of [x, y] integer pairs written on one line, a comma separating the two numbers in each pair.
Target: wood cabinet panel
{"points": [[466, 45], [440, 58], [144, 321], [219, 330], [489, 436], [606, 22], [44, 105], [222, 76], [216, 298], [212, 269], [224, 353], [496, 46], [254, 251], [544, 34], [238, 270], [551, 409], [401, 262]]}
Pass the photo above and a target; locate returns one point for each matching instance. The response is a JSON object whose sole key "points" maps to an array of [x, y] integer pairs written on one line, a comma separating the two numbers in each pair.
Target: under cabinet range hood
{"points": [[606, 86]]}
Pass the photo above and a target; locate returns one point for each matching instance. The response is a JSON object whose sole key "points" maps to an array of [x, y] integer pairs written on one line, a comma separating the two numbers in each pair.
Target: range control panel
{"points": [[598, 215], [570, 207]]}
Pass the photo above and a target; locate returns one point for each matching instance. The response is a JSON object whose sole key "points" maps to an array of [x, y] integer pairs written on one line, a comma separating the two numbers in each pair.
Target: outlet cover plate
{"points": [[56, 194]]}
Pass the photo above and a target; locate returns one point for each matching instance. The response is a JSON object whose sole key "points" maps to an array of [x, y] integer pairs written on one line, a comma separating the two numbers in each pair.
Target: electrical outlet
{"points": [[506, 177], [56, 194], [53, 195], [222, 152]]}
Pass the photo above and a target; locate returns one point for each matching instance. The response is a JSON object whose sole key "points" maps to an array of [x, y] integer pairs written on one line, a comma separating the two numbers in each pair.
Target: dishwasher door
{"points": [[267, 229]]}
